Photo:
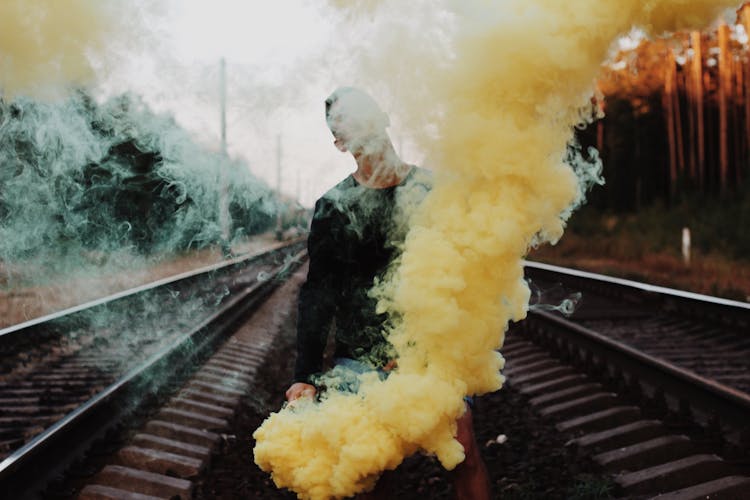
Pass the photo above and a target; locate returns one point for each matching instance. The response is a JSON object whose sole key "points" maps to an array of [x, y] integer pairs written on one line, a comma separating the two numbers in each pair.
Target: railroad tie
{"points": [[642, 456], [172, 449]]}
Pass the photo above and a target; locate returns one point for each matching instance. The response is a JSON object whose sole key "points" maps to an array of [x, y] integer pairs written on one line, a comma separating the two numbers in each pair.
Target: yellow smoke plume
{"points": [[46, 44], [519, 74]]}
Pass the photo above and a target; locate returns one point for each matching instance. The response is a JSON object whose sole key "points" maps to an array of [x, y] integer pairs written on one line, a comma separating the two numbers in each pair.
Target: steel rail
{"points": [[709, 399], [28, 469], [703, 395], [725, 311], [240, 259], [636, 285]]}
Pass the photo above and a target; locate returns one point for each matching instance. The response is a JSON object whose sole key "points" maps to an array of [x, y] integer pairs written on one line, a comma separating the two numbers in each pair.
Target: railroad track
{"points": [[652, 383], [69, 378], [624, 401]]}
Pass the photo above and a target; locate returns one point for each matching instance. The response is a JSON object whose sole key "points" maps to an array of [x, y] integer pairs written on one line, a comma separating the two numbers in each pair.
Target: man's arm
{"points": [[317, 301]]}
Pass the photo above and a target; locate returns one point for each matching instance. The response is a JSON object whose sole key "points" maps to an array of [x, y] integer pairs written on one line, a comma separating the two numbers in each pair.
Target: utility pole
{"points": [[278, 188], [223, 188], [297, 191], [223, 103]]}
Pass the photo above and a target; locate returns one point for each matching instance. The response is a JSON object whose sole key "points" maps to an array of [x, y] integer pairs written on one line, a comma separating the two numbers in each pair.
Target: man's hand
{"points": [[300, 390]]}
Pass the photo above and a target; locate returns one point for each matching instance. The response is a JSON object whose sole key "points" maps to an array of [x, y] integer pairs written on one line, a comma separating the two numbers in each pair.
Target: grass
{"points": [[22, 299], [647, 247], [591, 488], [586, 487]]}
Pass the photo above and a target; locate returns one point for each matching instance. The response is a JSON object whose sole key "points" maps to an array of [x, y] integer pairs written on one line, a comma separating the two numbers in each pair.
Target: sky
{"points": [[282, 60]]}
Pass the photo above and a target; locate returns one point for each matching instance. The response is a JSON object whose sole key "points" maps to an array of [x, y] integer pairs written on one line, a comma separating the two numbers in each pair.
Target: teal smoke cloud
{"points": [[80, 180]]}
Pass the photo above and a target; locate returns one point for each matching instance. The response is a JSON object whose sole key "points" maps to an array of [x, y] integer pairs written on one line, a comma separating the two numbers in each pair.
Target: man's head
{"points": [[356, 121]]}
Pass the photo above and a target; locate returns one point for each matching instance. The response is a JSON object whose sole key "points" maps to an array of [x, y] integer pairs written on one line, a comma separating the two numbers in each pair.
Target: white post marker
{"points": [[686, 245]]}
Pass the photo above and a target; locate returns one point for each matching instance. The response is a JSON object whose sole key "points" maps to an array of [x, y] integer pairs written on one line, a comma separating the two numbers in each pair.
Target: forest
{"points": [[676, 115], [80, 177]]}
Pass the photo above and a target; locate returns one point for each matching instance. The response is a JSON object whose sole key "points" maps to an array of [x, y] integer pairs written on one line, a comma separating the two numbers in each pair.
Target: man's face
{"points": [[357, 126], [339, 137], [339, 143], [358, 143], [338, 123]]}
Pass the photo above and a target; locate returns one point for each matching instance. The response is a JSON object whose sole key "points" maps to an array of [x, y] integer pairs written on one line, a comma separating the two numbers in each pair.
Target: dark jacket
{"points": [[356, 233]]}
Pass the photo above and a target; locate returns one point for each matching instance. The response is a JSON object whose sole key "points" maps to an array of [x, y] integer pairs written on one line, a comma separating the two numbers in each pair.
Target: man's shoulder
{"points": [[421, 176], [339, 189], [332, 198], [419, 180]]}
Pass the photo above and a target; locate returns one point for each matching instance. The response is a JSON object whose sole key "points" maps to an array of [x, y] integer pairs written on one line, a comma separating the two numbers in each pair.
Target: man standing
{"points": [[356, 231]]}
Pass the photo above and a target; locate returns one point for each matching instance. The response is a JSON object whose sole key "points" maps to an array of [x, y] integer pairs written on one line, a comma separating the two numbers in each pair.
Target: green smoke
{"points": [[82, 182]]}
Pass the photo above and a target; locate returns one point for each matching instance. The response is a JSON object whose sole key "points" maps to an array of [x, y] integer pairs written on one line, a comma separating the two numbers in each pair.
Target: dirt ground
{"points": [[23, 303], [532, 463], [710, 274]]}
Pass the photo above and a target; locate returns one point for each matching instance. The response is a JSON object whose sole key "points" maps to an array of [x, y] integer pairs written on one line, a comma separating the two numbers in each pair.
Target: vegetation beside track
{"points": [[646, 246]]}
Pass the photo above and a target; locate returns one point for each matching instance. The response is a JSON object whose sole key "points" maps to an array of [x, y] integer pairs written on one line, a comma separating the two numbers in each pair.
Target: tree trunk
{"points": [[745, 19], [697, 87], [737, 135], [678, 123], [725, 74], [668, 103], [692, 139]]}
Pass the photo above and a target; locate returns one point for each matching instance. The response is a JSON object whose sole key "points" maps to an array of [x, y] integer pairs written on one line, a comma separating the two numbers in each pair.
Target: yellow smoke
{"points": [[45, 44], [519, 75]]}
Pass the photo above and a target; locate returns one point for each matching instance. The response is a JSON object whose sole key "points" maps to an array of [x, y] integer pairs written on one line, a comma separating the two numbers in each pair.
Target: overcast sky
{"points": [[283, 59]]}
